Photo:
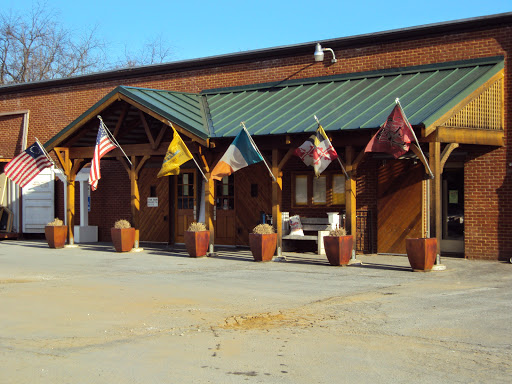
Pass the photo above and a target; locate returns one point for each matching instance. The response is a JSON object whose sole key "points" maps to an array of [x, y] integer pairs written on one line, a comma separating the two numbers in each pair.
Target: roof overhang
{"points": [[181, 110]]}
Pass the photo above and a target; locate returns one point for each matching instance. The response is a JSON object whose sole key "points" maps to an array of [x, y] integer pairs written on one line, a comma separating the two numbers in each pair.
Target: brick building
{"points": [[453, 80]]}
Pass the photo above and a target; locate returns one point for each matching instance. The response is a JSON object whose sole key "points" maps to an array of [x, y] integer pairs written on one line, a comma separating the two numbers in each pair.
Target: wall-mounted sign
{"points": [[152, 202]]}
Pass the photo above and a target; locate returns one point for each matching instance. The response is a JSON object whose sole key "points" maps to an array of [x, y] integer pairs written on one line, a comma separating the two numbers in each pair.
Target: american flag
{"points": [[27, 165], [103, 146]]}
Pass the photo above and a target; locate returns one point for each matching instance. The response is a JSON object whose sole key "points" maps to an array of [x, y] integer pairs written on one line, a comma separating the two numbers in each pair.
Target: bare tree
{"points": [[153, 52], [36, 47]]}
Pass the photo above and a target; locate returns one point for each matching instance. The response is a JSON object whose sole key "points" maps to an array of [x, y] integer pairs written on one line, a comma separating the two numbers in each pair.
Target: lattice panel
{"points": [[485, 112]]}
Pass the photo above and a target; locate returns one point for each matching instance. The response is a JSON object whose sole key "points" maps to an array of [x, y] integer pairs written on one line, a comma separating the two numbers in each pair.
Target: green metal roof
{"points": [[341, 102], [184, 109], [347, 102], [181, 108]]}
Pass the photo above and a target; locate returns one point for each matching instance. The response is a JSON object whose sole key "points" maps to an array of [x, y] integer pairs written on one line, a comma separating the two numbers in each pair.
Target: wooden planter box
{"points": [[56, 235], [123, 238], [263, 247], [338, 249], [197, 243], [421, 253]]}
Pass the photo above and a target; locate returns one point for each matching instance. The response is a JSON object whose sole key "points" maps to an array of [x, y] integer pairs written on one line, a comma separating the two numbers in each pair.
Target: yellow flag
{"points": [[177, 154]]}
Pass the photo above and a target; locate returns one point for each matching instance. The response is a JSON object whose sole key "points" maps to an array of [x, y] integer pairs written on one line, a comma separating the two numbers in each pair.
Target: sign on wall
{"points": [[152, 202]]}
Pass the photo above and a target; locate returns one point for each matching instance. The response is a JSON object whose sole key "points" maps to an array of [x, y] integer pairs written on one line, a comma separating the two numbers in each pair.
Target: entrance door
{"points": [[225, 211], [399, 205], [154, 205], [185, 202], [453, 211], [253, 198]]}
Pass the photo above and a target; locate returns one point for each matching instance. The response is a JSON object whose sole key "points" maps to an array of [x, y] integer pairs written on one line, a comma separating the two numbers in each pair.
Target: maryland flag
{"points": [[317, 151], [394, 136], [177, 154]]}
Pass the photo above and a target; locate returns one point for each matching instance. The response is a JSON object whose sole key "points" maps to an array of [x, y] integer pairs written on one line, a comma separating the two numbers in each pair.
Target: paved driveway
{"points": [[90, 315]]}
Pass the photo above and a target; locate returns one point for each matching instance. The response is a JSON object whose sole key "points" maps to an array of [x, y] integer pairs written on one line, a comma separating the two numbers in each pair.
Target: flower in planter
{"points": [[263, 229], [56, 222], [196, 227], [121, 224]]}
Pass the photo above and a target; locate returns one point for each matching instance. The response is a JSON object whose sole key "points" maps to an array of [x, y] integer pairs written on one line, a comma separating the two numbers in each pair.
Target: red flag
{"points": [[103, 146], [317, 151], [394, 136], [27, 165]]}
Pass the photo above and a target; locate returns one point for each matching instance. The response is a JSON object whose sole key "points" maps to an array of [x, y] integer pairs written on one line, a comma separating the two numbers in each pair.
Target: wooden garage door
{"points": [[399, 204], [154, 213]]}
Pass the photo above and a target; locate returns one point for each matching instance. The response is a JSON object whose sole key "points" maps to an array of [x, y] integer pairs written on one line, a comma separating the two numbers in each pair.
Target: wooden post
{"points": [[70, 168], [435, 160], [135, 198], [277, 192], [350, 195], [209, 204]]}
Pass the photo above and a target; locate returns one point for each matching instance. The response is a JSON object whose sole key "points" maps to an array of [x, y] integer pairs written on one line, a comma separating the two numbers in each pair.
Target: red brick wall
{"points": [[111, 201], [53, 109], [11, 135]]}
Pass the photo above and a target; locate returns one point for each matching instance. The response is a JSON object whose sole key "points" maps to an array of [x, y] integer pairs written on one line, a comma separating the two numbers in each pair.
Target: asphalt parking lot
{"points": [[91, 315]]}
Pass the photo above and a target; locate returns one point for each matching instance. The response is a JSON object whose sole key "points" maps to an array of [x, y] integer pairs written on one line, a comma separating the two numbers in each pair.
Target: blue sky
{"points": [[195, 29]]}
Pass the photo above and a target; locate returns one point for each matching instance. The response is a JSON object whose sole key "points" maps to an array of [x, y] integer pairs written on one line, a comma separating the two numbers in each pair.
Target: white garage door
{"points": [[38, 202]]}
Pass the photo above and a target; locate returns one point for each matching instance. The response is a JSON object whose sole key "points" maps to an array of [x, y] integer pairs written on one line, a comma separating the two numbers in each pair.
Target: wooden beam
{"points": [[92, 114], [148, 111], [161, 134], [446, 154], [435, 165], [135, 198], [209, 199], [350, 195], [130, 149], [469, 136], [126, 166], [417, 152], [148, 131], [277, 192], [285, 159], [121, 119]]}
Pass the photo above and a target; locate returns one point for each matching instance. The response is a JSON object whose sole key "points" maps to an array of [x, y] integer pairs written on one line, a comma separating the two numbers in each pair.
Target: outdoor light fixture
{"points": [[319, 53]]}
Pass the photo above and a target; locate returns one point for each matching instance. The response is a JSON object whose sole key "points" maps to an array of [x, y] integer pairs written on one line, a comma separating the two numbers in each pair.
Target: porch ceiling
{"points": [[347, 102]]}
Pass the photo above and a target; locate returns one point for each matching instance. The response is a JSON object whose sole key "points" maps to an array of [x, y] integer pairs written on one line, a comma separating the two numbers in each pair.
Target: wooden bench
{"points": [[315, 228]]}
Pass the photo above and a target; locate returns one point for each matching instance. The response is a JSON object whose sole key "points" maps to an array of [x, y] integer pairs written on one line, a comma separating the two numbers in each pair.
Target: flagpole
{"points": [[113, 138], [47, 155], [257, 150], [397, 100], [193, 158], [339, 161]]}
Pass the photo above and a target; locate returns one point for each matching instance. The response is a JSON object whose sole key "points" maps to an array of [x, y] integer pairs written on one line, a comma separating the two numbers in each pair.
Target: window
{"points": [[186, 191], [225, 193], [301, 190], [320, 190], [326, 190], [338, 189]]}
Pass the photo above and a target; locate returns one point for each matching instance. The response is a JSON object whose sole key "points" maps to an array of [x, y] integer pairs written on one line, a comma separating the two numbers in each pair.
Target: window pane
{"points": [[319, 190], [338, 190], [301, 190]]}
